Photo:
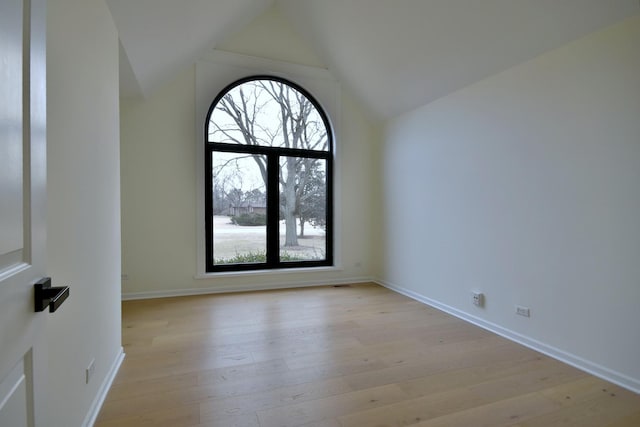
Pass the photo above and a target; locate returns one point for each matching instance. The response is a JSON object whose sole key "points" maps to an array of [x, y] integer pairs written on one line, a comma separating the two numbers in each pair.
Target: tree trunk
{"points": [[301, 227], [291, 237]]}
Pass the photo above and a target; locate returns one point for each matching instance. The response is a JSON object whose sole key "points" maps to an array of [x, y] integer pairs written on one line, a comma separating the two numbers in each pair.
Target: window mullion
{"points": [[273, 210], [208, 185]]}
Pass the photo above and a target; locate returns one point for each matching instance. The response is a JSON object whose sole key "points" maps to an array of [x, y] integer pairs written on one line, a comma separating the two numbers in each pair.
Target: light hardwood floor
{"points": [[353, 356]]}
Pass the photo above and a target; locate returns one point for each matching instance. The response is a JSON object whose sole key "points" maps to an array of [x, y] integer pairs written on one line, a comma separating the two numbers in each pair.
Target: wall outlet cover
{"points": [[478, 298]]}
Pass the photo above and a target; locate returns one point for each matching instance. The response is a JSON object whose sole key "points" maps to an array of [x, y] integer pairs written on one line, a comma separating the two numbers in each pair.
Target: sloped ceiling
{"points": [[160, 37], [393, 55]]}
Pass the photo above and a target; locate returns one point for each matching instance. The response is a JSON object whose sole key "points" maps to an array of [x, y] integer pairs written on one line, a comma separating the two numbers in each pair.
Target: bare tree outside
{"points": [[270, 113]]}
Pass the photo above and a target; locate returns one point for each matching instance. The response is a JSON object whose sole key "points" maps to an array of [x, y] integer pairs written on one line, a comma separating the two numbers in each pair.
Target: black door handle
{"points": [[46, 296]]}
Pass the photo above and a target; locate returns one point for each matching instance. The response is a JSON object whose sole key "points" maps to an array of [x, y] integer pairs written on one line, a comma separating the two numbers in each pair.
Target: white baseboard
{"points": [[241, 288], [97, 403], [595, 369]]}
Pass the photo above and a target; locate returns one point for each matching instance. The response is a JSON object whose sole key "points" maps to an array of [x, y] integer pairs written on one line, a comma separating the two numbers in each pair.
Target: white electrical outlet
{"points": [[522, 311], [90, 370], [478, 298]]}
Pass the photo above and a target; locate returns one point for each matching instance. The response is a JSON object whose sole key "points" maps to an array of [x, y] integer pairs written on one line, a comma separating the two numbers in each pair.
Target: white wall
{"points": [[526, 186], [272, 36], [158, 154], [83, 206]]}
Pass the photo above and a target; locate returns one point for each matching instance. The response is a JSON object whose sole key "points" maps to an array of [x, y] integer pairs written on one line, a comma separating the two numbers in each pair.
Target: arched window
{"points": [[268, 170]]}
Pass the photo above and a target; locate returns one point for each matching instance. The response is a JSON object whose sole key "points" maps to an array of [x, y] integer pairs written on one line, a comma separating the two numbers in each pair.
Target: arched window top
{"points": [[268, 112]]}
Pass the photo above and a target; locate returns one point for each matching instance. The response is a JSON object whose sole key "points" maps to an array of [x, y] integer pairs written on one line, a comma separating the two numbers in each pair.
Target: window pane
{"points": [[268, 113], [303, 209], [239, 208]]}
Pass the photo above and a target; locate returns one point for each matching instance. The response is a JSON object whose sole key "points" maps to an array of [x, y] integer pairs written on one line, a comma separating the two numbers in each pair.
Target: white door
{"points": [[23, 360]]}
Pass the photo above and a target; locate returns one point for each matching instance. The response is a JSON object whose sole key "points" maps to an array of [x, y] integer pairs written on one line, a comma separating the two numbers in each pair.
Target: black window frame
{"points": [[273, 155]]}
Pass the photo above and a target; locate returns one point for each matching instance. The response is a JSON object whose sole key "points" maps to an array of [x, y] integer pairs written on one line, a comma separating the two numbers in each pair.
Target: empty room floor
{"points": [[347, 356]]}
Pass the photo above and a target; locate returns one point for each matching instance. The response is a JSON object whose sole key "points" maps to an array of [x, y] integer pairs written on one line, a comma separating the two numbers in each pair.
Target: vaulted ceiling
{"points": [[392, 55]]}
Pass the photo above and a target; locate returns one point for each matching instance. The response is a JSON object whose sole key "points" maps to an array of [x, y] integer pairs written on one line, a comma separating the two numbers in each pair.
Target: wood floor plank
{"points": [[630, 420], [469, 376], [598, 412], [590, 402], [435, 405], [180, 416], [126, 390], [425, 365], [496, 414], [352, 356], [298, 414], [272, 398], [243, 420], [374, 351]]}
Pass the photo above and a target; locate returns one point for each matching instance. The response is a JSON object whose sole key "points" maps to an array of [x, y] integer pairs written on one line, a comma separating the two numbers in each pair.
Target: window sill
{"points": [[305, 270]]}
